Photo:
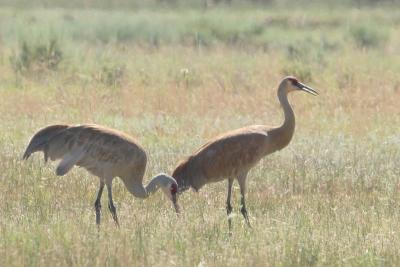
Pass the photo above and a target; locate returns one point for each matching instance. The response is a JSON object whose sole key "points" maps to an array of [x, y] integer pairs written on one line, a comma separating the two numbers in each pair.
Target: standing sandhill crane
{"points": [[233, 154], [105, 153]]}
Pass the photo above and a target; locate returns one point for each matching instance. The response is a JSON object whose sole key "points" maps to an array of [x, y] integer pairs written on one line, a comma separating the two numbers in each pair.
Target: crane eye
{"points": [[294, 81], [174, 189]]}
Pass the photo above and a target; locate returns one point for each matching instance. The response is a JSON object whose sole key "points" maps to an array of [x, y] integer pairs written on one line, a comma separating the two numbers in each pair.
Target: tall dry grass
{"points": [[330, 198]]}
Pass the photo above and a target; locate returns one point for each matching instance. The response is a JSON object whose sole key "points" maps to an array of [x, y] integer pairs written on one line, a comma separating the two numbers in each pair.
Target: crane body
{"points": [[231, 155], [103, 152]]}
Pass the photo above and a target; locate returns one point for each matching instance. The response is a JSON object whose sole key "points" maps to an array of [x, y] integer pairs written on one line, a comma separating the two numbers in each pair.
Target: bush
{"points": [[37, 57], [369, 35]]}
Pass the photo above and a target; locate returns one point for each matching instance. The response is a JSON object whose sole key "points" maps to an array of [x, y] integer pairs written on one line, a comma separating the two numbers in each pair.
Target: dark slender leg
{"points": [[97, 204], [111, 206], [242, 184], [228, 203], [244, 211]]}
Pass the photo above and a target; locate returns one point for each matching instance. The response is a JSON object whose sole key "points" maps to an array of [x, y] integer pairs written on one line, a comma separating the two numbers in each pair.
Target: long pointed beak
{"points": [[175, 202], [307, 89]]}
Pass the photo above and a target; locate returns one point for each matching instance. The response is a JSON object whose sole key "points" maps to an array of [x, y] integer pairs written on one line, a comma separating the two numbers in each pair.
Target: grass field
{"points": [[174, 79]]}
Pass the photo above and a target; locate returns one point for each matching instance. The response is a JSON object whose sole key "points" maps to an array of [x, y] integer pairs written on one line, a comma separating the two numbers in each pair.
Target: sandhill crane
{"points": [[233, 154], [105, 153]]}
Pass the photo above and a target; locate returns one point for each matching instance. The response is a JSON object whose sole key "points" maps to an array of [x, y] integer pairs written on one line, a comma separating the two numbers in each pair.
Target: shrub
{"points": [[368, 35], [37, 57]]}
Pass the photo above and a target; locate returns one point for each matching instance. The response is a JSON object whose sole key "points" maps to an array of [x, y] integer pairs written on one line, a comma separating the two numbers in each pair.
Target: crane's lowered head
{"points": [[290, 83], [170, 188]]}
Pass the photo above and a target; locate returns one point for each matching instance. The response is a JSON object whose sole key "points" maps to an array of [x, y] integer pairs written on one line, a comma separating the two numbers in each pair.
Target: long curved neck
{"points": [[289, 123], [285, 132], [138, 190]]}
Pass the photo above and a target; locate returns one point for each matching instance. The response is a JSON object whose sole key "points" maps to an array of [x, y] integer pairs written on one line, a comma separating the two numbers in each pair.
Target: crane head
{"points": [[292, 84], [170, 188]]}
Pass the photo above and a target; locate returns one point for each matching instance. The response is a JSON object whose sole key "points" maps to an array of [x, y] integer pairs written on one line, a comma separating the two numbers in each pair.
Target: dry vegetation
{"points": [[173, 81]]}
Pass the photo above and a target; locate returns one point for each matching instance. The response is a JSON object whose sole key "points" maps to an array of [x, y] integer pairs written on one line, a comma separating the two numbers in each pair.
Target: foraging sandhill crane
{"points": [[105, 153], [233, 154]]}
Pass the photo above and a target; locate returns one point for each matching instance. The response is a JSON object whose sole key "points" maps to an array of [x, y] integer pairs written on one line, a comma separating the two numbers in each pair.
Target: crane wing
{"points": [[92, 147], [69, 160]]}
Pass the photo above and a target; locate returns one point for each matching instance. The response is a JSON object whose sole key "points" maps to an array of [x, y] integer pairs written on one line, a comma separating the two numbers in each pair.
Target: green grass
{"points": [[173, 81]]}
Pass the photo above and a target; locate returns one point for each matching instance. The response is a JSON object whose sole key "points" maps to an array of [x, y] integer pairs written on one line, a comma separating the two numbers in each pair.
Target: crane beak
{"points": [[175, 202], [306, 88]]}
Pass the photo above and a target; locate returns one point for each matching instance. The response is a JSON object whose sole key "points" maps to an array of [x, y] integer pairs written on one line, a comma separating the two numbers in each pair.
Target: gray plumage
{"points": [[104, 152]]}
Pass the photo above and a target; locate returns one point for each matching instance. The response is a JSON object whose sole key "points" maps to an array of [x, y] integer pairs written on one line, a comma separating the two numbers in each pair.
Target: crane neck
{"points": [[139, 190], [284, 133], [136, 188], [289, 122]]}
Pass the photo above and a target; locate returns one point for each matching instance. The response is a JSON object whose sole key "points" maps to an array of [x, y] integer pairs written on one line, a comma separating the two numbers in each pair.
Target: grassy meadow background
{"points": [[174, 75]]}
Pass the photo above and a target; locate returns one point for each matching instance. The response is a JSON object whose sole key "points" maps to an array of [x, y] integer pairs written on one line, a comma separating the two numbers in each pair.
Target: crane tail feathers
{"points": [[41, 138]]}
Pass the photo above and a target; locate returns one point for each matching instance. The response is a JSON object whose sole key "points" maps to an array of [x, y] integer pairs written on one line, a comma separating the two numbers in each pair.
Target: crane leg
{"points": [[97, 203], [242, 184], [228, 203], [111, 206]]}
